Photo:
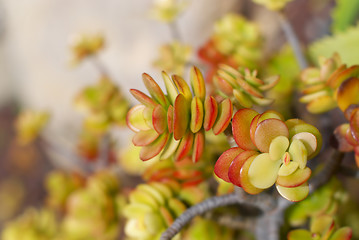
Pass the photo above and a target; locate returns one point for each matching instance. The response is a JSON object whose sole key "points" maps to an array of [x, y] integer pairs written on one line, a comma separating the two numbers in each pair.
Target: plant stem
{"points": [[198, 209], [293, 40]]}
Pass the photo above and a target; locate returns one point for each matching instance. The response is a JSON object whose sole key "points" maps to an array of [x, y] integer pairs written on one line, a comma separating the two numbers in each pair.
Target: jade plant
{"points": [[234, 143]]}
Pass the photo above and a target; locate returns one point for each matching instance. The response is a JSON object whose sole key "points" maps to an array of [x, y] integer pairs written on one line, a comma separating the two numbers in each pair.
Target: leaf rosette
{"points": [[175, 124], [270, 151]]}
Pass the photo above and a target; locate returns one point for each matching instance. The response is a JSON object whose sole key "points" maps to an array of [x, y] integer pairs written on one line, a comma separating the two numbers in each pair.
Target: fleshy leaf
{"points": [[241, 123], [159, 119], [143, 98], [198, 145], [299, 234], [170, 87], [224, 161], [268, 130], [309, 141], [295, 194], [185, 146], [210, 112], [143, 138], [197, 114], [288, 169], [244, 178], [154, 90], [224, 117], [198, 85], [278, 147], [153, 149], [263, 171], [170, 148], [135, 120], [348, 93], [182, 87], [236, 166], [295, 179], [181, 117], [298, 153]]}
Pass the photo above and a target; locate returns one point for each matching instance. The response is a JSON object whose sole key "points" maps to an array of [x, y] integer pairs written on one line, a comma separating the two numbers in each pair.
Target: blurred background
{"points": [[35, 69]]}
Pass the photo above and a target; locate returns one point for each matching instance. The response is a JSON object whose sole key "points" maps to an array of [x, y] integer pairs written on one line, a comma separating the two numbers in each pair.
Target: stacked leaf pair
{"points": [[103, 104], [153, 207], [321, 208], [243, 86], [271, 151], [175, 124], [347, 134], [330, 85]]}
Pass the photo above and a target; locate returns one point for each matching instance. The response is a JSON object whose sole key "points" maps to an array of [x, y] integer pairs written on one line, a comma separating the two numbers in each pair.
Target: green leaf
{"points": [[342, 43], [344, 15]]}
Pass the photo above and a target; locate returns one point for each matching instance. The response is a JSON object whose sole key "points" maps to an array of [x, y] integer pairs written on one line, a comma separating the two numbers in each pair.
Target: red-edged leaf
{"points": [[185, 146], [152, 150], [236, 166], [224, 117], [143, 138], [159, 119], [198, 146], [240, 127], [181, 117], [154, 90], [224, 161], [210, 112], [143, 98]]}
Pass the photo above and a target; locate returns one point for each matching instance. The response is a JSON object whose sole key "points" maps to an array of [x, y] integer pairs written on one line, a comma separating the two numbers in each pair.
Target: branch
{"points": [[349, 172], [293, 40], [331, 166], [198, 209]]}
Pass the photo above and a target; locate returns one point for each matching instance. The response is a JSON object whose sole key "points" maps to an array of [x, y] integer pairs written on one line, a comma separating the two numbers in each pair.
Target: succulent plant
{"points": [[269, 151], [29, 125], [346, 136], [175, 124], [103, 105], [173, 57], [93, 212], [322, 227], [59, 186], [275, 5], [327, 201], [243, 86], [154, 206], [85, 45], [167, 10], [331, 84], [32, 225]]}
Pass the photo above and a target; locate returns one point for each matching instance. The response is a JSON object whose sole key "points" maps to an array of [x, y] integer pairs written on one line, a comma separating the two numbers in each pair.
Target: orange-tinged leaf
{"points": [[270, 114], [344, 233], [210, 112], [244, 178], [295, 179], [197, 81], [223, 85], [243, 99], [248, 88], [268, 130], [348, 93], [354, 125], [154, 90], [143, 138], [197, 114], [224, 117], [269, 83], [224, 161], [182, 87], [143, 98], [159, 119], [331, 80], [166, 216], [262, 101], [170, 118], [341, 135], [153, 149], [253, 127], [198, 146], [294, 194], [185, 146], [240, 127], [181, 117], [236, 165], [353, 71], [135, 120], [314, 88]]}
